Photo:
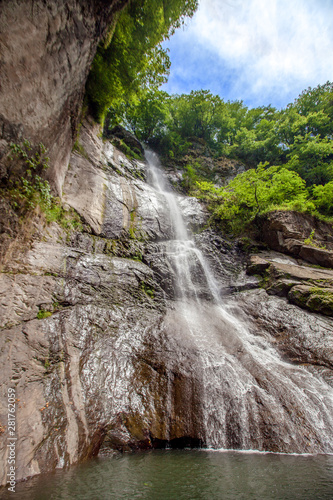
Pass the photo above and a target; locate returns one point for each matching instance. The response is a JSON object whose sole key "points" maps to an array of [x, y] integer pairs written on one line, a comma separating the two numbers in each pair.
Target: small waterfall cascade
{"points": [[251, 398]]}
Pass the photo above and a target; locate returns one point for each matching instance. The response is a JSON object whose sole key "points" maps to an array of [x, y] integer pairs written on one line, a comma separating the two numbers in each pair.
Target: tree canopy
{"points": [[300, 137], [255, 192], [132, 60], [288, 153]]}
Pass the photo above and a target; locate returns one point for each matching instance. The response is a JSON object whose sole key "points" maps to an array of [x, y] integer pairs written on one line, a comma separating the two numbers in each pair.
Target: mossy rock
{"points": [[280, 287], [126, 142], [315, 299]]}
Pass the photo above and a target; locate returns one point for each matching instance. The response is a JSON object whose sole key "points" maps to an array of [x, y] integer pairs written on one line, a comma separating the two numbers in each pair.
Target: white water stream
{"points": [[251, 397]]}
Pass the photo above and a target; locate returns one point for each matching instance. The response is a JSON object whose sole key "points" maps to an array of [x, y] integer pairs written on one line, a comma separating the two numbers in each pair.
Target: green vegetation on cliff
{"points": [[26, 189], [132, 59], [288, 153], [253, 192], [299, 136]]}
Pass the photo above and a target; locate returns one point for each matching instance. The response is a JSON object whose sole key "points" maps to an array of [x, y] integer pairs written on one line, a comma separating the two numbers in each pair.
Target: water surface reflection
{"points": [[188, 475]]}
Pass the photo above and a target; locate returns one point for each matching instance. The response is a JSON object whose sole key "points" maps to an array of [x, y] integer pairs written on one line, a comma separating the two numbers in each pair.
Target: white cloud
{"points": [[271, 45]]}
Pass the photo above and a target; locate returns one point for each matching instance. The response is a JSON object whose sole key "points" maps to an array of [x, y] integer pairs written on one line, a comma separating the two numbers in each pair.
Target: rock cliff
{"points": [[46, 49], [93, 341]]}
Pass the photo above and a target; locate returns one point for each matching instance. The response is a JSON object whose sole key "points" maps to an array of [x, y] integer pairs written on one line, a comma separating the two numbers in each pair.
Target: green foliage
{"points": [[308, 157], [147, 117], [297, 141], [147, 289], [299, 136], [134, 60], [127, 150], [254, 192], [323, 198], [28, 190], [42, 314], [311, 241], [190, 177]]}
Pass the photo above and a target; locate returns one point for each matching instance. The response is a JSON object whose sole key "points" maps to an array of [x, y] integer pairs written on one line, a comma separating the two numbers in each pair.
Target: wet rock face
{"points": [[111, 193], [299, 235], [308, 287], [73, 370], [302, 337], [106, 350], [46, 52], [82, 318]]}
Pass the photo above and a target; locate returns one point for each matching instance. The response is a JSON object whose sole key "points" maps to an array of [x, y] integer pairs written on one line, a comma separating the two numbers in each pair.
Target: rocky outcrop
{"points": [[109, 191], [299, 235], [46, 51], [303, 338], [218, 170], [307, 287], [125, 141]]}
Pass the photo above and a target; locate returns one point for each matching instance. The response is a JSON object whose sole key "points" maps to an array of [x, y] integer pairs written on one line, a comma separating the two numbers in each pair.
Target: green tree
{"points": [[312, 158], [134, 60], [253, 192], [323, 198], [147, 118]]}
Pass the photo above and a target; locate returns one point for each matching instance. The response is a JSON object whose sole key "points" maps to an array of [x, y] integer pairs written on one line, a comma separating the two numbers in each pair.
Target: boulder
{"points": [[257, 265], [300, 235], [318, 299], [305, 286], [121, 136]]}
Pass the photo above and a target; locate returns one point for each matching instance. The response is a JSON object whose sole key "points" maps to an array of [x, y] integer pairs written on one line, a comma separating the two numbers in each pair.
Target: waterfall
{"points": [[251, 397]]}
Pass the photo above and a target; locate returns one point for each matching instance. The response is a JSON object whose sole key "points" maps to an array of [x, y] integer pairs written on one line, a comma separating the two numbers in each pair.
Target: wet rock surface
{"points": [[305, 286], [107, 350], [299, 235], [304, 338]]}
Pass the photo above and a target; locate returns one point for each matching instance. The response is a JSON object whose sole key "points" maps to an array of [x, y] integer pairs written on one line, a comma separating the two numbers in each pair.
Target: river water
{"points": [[187, 475]]}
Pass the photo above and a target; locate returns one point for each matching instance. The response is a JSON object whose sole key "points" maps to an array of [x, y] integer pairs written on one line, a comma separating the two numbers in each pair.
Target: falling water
{"points": [[252, 398]]}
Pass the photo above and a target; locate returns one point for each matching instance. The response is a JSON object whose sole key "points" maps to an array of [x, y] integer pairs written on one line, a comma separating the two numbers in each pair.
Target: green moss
{"points": [[78, 148], [133, 230], [323, 294], [67, 219], [42, 314], [127, 150], [113, 168], [264, 281], [147, 289], [137, 257]]}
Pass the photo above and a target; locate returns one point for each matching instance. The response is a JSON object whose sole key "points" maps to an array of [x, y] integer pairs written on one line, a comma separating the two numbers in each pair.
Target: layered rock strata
{"points": [[95, 342]]}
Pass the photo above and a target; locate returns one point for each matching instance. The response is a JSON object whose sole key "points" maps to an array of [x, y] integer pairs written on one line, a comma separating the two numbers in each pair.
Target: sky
{"points": [[259, 51]]}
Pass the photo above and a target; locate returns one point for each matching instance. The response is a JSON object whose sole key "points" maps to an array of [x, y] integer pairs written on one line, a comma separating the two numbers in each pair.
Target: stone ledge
{"points": [[302, 285]]}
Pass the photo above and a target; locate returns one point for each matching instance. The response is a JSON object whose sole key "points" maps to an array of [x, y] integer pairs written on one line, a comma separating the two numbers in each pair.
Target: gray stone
{"points": [[288, 232], [46, 53]]}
